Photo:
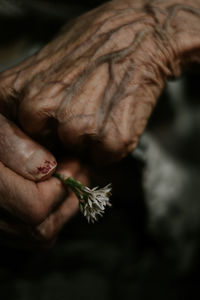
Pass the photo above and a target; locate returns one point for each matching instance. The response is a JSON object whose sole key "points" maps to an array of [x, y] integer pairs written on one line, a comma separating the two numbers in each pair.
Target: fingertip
{"points": [[22, 154], [46, 170], [40, 165]]}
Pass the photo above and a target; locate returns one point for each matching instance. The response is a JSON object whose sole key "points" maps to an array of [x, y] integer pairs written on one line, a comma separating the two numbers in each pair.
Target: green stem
{"points": [[75, 185], [72, 182], [59, 176]]}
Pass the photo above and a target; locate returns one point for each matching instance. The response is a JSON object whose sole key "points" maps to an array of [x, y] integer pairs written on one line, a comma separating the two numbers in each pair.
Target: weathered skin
{"points": [[96, 83], [34, 212]]}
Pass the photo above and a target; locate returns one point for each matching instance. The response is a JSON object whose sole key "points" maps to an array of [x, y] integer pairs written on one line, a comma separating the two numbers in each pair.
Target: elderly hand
{"points": [[33, 205], [96, 83], [94, 86]]}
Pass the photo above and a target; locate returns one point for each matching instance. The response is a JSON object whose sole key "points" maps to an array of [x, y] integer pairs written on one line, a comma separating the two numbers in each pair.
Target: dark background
{"points": [[147, 245]]}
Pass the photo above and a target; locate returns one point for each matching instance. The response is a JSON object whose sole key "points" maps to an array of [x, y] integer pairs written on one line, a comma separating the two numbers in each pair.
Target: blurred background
{"points": [[147, 245]]}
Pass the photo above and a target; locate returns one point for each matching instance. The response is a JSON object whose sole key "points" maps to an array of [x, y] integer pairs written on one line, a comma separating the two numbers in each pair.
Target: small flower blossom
{"points": [[95, 201], [92, 202]]}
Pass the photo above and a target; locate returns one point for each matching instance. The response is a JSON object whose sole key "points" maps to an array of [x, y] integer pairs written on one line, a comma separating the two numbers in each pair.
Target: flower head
{"points": [[92, 202]]}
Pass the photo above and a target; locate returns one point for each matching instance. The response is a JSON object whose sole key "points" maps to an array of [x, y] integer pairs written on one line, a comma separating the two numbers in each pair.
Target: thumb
{"points": [[23, 155]]}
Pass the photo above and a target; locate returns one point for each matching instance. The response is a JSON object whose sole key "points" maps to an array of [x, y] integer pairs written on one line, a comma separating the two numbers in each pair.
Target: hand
{"points": [[33, 206], [95, 85]]}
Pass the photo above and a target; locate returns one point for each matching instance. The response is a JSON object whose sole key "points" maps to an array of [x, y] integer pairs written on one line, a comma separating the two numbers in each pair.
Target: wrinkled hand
{"points": [[33, 206], [95, 85]]}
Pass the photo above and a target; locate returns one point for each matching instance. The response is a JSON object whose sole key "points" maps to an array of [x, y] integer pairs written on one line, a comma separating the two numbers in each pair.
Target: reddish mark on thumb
{"points": [[46, 170]]}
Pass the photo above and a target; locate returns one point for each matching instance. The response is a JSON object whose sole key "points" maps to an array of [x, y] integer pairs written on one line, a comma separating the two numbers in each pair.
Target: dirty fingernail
{"points": [[40, 165]]}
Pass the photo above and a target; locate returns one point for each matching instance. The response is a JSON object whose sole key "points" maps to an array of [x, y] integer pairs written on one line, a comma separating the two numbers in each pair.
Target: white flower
{"points": [[94, 202]]}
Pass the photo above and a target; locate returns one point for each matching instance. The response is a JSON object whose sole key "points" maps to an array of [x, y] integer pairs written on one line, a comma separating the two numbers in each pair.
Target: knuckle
{"points": [[122, 147], [38, 100], [47, 232], [27, 108], [7, 88], [47, 235], [33, 114], [6, 78], [76, 128], [118, 143], [37, 213]]}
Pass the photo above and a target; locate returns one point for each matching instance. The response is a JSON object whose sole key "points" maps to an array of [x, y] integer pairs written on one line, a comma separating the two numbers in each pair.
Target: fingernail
{"points": [[40, 165]]}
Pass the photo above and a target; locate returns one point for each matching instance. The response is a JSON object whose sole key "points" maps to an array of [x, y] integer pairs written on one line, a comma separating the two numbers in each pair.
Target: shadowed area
{"points": [[147, 244]]}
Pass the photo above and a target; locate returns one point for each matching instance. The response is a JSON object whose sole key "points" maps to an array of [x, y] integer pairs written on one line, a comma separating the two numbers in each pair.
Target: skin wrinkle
{"points": [[122, 27], [85, 95], [115, 99], [18, 208], [146, 23], [15, 69], [125, 142], [18, 74], [154, 11], [78, 117], [107, 88], [173, 11], [121, 53], [66, 56], [161, 68], [111, 35], [90, 69], [54, 91], [38, 64], [72, 90], [9, 102], [98, 29], [32, 70], [118, 55], [76, 85], [116, 27], [125, 51], [83, 43], [69, 74], [93, 88], [63, 87]]}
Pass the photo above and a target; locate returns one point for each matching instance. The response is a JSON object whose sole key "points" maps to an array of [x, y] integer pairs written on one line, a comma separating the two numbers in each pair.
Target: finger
{"points": [[31, 202], [126, 121], [15, 233], [26, 200], [50, 228], [23, 155], [113, 130], [19, 235], [47, 99]]}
